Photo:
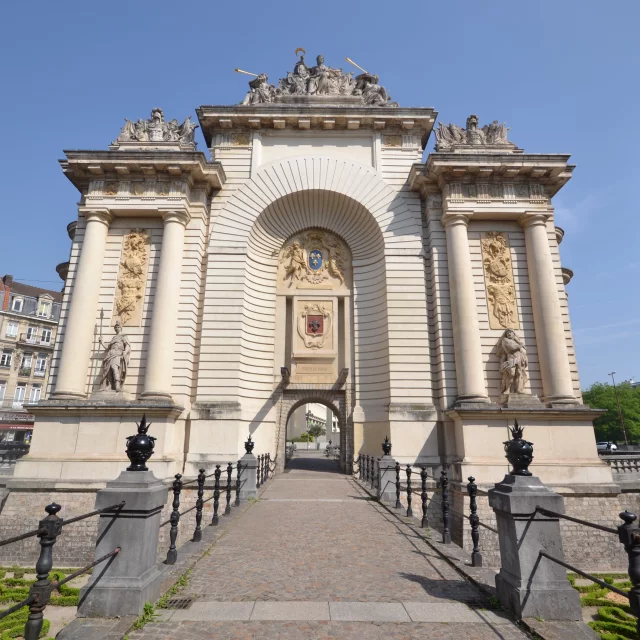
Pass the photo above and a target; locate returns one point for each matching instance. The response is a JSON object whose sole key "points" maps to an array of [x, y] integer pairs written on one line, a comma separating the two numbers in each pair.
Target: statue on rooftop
{"points": [[448, 137], [260, 91], [155, 129]]}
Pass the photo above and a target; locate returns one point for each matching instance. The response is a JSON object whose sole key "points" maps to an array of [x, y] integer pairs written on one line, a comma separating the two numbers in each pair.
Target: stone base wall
{"points": [[22, 510]]}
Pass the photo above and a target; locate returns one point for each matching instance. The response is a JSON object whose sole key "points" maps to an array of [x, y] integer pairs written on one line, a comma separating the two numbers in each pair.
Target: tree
{"points": [[316, 430], [607, 426]]}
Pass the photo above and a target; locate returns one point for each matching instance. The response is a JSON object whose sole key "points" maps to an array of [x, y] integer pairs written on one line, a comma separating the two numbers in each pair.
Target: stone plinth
{"points": [[248, 476], [122, 585], [387, 478], [529, 585]]}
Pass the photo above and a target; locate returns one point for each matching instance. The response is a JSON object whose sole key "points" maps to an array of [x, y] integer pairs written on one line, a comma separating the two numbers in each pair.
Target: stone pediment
{"points": [[318, 84]]}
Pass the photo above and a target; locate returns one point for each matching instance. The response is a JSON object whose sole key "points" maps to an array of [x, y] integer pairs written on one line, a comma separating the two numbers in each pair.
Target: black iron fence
{"points": [[49, 530]]}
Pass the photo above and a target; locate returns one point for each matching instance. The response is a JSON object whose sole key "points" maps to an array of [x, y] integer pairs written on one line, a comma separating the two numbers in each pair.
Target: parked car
{"points": [[606, 447]]}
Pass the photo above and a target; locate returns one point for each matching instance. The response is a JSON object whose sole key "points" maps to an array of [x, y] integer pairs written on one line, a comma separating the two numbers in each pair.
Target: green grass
{"points": [[615, 621]]}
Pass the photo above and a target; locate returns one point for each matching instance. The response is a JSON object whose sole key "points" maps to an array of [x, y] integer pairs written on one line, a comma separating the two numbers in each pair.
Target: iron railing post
{"points": [[172, 554], [197, 534], [629, 535], [409, 509], [227, 509], [444, 483], [259, 472], [50, 528], [398, 489], [423, 496], [216, 496], [474, 520], [238, 483]]}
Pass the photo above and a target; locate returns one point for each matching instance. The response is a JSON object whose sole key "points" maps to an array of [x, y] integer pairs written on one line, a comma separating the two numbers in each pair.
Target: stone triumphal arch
{"points": [[316, 254]]}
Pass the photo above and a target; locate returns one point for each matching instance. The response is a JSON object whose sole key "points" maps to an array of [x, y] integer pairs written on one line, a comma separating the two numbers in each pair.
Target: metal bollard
{"points": [[409, 509], [474, 520], [444, 483], [238, 483], [50, 528], [227, 509], [423, 476], [172, 554], [398, 503], [629, 535], [197, 534], [216, 496]]}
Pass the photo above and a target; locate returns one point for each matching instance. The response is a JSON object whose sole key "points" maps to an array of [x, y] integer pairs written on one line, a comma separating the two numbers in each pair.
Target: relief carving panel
{"points": [[314, 260], [132, 278], [500, 287]]}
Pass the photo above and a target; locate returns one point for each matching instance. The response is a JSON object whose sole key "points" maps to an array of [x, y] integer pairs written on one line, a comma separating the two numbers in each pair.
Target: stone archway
{"points": [[336, 399]]}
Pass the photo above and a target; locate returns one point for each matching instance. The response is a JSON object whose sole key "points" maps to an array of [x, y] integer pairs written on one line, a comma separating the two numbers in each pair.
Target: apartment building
{"points": [[28, 323]]}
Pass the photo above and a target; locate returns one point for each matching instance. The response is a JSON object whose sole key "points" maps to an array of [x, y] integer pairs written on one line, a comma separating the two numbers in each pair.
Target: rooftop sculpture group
{"points": [[319, 80], [450, 137], [155, 129]]}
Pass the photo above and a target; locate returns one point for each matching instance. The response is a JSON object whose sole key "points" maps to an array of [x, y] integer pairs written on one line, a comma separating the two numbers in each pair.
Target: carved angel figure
{"points": [[115, 361], [335, 263], [372, 93], [513, 363], [260, 91], [295, 255]]}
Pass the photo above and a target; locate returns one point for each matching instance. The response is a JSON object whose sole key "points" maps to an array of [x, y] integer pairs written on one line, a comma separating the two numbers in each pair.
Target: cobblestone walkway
{"points": [[316, 558]]}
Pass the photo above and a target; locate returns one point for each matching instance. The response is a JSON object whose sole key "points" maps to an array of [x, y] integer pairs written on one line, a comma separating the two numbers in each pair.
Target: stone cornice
{"points": [[82, 167], [549, 171], [492, 412], [86, 408], [223, 119]]}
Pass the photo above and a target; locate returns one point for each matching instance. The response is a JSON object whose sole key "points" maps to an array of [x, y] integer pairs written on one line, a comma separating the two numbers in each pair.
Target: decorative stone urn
{"points": [[140, 447], [519, 452]]}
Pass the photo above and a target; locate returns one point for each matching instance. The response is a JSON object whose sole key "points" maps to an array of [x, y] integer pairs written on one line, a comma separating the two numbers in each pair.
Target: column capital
{"points": [[533, 218], [450, 219], [97, 215], [175, 215]]}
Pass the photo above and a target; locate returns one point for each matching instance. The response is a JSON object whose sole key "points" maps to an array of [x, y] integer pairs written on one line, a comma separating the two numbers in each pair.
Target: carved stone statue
{"points": [[320, 80], [260, 91], [155, 129], [115, 361], [450, 137], [513, 363]]}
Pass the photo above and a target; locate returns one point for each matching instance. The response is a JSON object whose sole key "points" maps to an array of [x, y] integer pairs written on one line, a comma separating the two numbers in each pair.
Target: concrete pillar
{"points": [[387, 476], [121, 586], [164, 319], [547, 315], [466, 331], [248, 476], [71, 380], [528, 584]]}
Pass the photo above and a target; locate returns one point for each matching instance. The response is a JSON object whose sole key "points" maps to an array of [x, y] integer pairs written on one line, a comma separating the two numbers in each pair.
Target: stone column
{"points": [[121, 586], [466, 331], [71, 380], [529, 584], [164, 320], [547, 316]]}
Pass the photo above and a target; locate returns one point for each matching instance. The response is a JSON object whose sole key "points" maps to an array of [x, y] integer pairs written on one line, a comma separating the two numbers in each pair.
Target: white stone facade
{"points": [[413, 353]]}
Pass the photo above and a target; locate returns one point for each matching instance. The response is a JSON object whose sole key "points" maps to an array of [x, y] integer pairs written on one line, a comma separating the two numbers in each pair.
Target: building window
{"points": [[17, 304], [18, 398], [3, 388], [12, 330], [5, 358], [31, 334], [25, 364], [36, 391], [44, 309], [46, 336], [41, 366]]}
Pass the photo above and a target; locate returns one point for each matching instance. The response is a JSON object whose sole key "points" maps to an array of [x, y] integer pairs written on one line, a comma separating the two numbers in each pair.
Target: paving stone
{"points": [[214, 611], [369, 611], [291, 611]]}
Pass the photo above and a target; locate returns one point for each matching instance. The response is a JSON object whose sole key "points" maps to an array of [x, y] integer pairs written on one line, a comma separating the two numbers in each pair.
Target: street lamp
{"points": [[624, 431]]}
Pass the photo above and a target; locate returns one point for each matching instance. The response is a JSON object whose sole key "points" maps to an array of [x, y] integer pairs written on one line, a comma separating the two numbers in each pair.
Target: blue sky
{"points": [[563, 75]]}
